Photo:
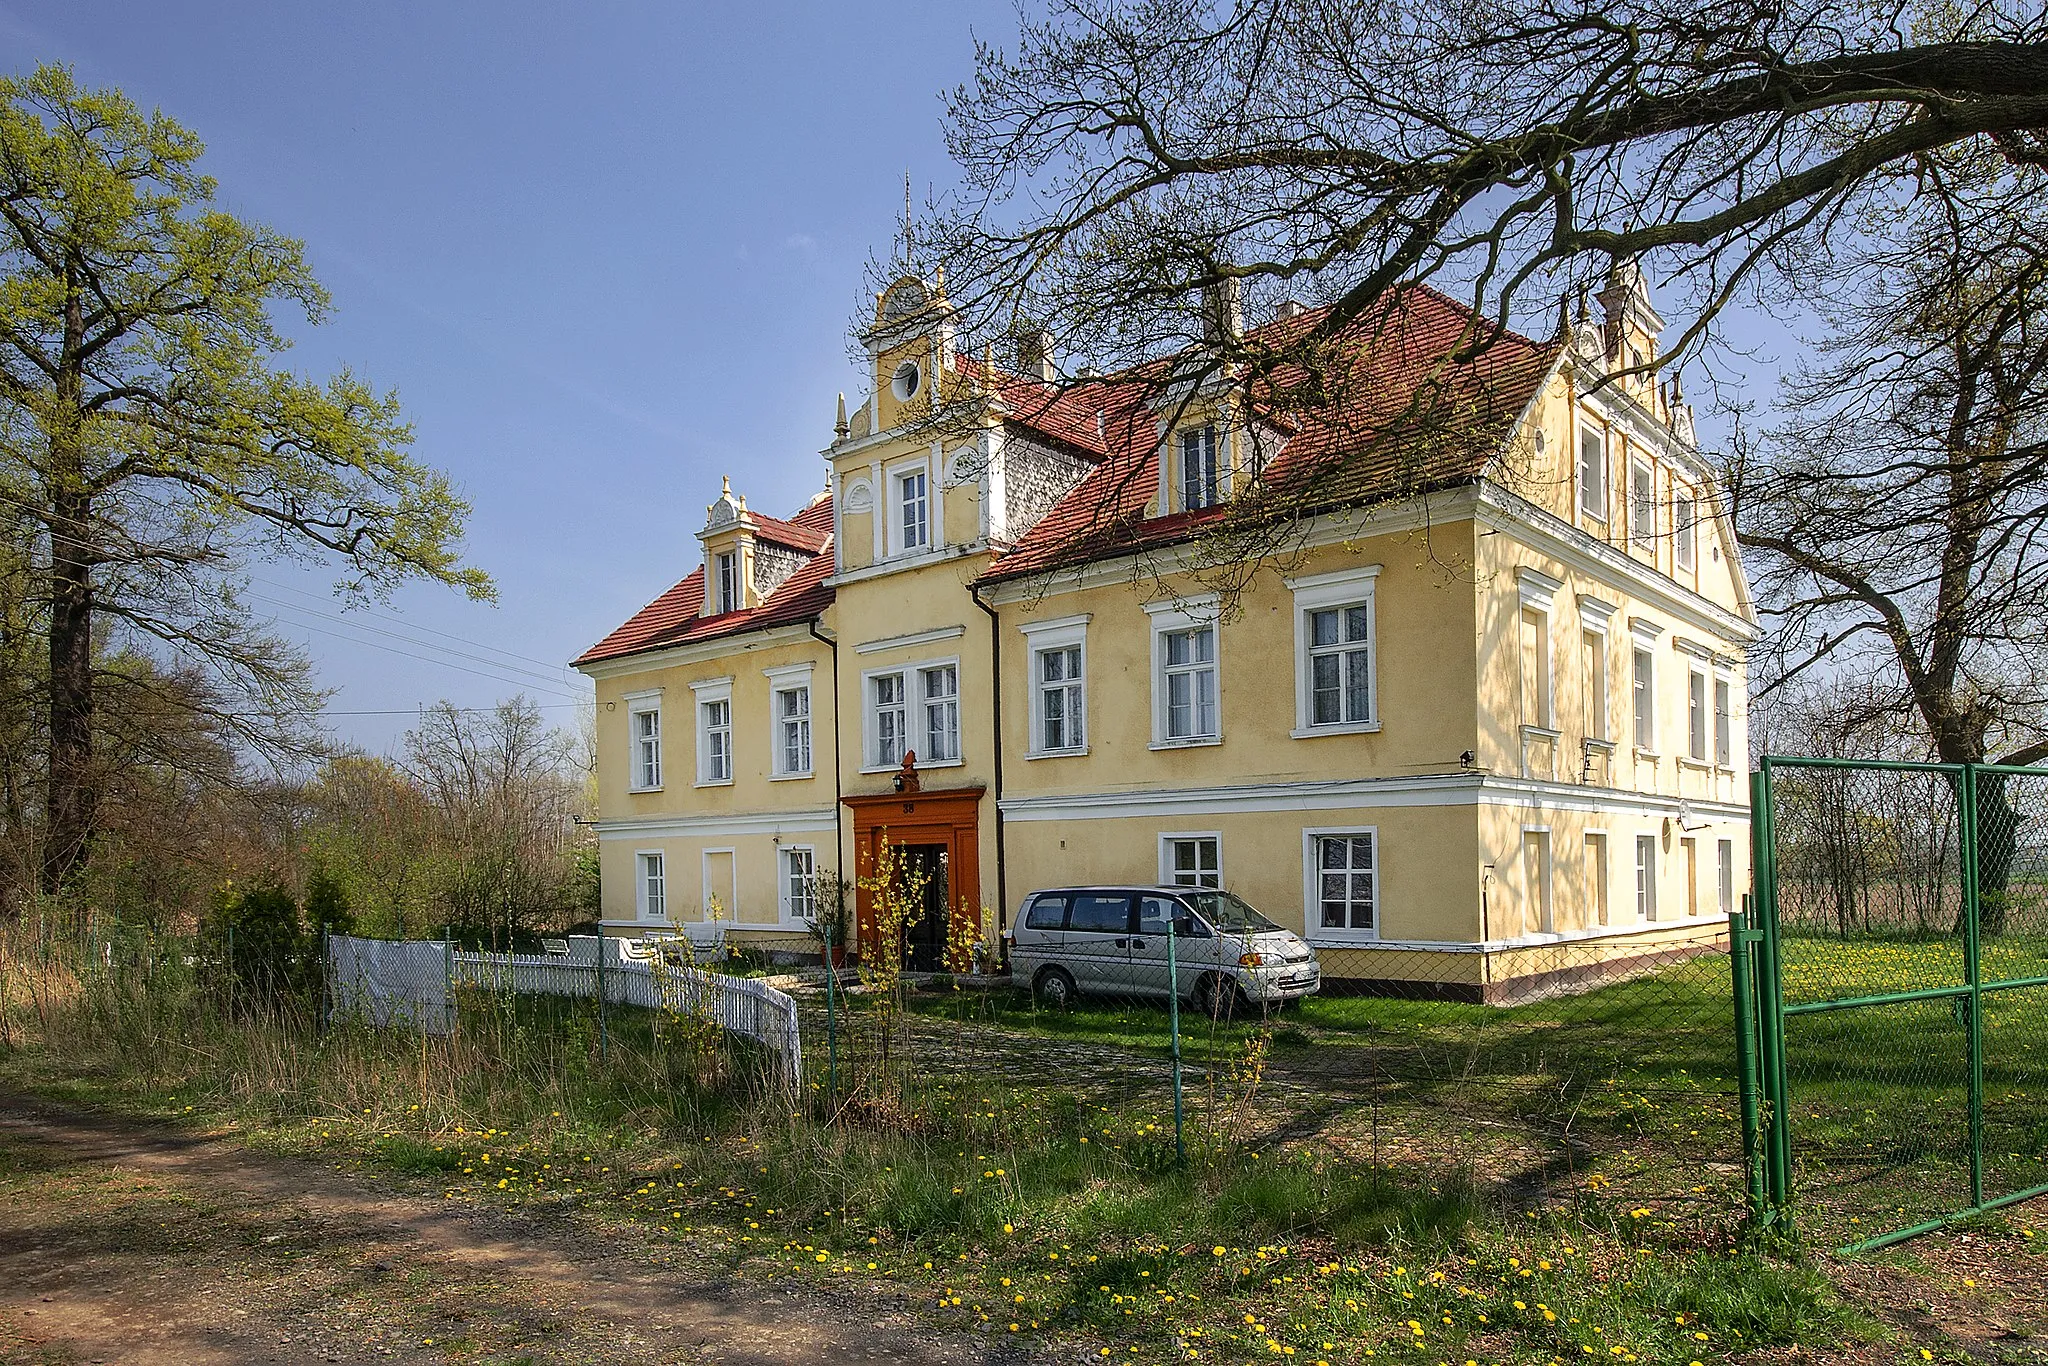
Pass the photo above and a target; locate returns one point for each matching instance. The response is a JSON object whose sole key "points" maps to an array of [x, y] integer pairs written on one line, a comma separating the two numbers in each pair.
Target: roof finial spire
{"points": [[841, 428]]}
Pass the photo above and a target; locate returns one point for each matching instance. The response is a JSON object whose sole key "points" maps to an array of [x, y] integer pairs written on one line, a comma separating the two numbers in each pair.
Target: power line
{"points": [[425, 659], [553, 666], [552, 679]]}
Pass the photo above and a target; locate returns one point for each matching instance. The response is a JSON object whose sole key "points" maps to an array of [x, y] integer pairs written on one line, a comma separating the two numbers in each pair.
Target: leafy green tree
{"points": [[150, 444], [262, 942], [327, 905]]}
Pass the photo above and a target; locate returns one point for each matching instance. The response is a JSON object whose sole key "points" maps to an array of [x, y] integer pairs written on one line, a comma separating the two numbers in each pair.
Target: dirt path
{"points": [[122, 1241]]}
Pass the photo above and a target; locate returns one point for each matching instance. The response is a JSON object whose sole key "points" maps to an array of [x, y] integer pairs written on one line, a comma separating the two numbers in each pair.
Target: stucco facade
{"points": [[1510, 714]]}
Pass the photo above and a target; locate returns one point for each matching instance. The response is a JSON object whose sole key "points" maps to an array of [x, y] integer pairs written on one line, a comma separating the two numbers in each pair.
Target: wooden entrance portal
{"points": [[939, 834]]}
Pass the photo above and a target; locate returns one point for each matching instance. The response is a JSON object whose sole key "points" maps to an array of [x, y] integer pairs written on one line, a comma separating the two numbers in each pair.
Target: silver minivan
{"points": [[1112, 941]]}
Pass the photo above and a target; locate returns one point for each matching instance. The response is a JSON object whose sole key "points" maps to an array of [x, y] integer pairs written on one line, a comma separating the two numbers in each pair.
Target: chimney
{"points": [[1289, 309], [1223, 311], [1034, 353]]}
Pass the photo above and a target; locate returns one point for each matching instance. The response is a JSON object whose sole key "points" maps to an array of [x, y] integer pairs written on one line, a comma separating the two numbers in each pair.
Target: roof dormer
{"points": [[729, 545], [911, 349]]}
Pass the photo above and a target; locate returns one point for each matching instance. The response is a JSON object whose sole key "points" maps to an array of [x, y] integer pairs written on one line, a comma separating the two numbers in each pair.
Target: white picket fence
{"points": [[413, 983]]}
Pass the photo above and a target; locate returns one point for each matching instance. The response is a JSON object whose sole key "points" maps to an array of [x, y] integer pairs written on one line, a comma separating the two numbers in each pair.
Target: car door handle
{"points": [[1137, 943], [1123, 943]]}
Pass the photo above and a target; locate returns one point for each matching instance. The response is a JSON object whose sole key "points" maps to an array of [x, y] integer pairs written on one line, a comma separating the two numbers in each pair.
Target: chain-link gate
{"points": [[1892, 994]]}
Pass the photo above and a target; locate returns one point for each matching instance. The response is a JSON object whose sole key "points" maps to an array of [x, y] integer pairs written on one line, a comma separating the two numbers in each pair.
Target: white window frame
{"points": [[1595, 618], [1642, 502], [1684, 528], [1188, 614], [791, 678], [1699, 704], [894, 539], [707, 693], [1643, 719], [787, 910], [1689, 857], [1313, 928], [1599, 876], [1218, 486], [946, 704], [1592, 501], [640, 704], [1724, 719], [645, 860], [1646, 880], [1724, 876], [1543, 913], [731, 592], [910, 680], [1321, 592], [1167, 839], [1043, 637]]}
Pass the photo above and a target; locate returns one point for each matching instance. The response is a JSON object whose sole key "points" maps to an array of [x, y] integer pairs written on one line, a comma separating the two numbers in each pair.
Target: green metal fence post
{"points": [[1770, 990], [831, 1023], [1973, 1027], [1180, 1146], [1740, 937]]}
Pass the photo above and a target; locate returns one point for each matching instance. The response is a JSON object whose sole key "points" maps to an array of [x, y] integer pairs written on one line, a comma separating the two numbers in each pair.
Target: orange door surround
{"points": [[951, 818]]}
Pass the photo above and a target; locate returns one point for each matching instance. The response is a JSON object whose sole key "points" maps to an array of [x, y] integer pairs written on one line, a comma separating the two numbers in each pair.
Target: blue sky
{"points": [[605, 252]]}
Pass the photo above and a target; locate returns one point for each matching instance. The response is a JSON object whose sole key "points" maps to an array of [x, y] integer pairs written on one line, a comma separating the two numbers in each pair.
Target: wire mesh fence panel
{"points": [[1909, 937]]}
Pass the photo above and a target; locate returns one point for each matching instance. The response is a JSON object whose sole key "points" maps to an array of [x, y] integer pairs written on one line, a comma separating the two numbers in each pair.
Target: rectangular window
{"points": [[792, 731], [1594, 646], [1347, 882], [799, 884], [1646, 877], [1199, 483], [1538, 912], [1724, 737], [653, 888], [1696, 717], [914, 501], [715, 731], [1592, 471], [1724, 876], [889, 716], [1596, 880], [1535, 668], [1642, 504], [1187, 666], [1684, 513], [1062, 723], [1191, 860], [1646, 699], [645, 723], [1689, 854], [1340, 665], [941, 687], [729, 598]]}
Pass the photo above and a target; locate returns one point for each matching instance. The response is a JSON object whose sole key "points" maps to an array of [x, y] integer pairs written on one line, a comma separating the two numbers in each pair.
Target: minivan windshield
{"points": [[1227, 912]]}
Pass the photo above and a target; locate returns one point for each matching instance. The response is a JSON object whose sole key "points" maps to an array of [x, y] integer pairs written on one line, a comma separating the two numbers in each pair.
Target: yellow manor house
{"points": [[1475, 725]]}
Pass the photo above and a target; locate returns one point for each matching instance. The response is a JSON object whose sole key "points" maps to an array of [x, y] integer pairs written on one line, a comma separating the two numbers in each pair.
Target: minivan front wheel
{"points": [[1218, 996], [1055, 988]]}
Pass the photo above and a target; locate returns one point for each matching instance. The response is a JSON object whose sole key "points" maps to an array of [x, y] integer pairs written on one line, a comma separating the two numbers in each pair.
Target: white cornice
{"points": [[1543, 530], [1444, 789], [801, 822], [902, 642], [696, 652]]}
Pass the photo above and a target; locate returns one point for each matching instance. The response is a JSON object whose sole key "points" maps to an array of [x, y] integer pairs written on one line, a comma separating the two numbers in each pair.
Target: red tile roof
{"points": [[672, 619], [1412, 416]]}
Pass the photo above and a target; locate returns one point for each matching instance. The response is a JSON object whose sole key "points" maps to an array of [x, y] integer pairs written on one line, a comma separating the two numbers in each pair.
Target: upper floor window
{"points": [[941, 686], [1684, 515], [1335, 650], [1536, 673], [1187, 683], [913, 502], [887, 720], [643, 722], [1201, 483], [1061, 709], [793, 730], [729, 596], [1595, 647], [1724, 738], [1642, 502], [714, 740], [1696, 717], [1592, 471], [1645, 698]]}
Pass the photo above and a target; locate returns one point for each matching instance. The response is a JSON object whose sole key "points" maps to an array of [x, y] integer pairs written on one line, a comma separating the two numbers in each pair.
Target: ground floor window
{"points": [[653, 888], [1191, 860], [1646, 877], [1345, 881], [799, 883]]}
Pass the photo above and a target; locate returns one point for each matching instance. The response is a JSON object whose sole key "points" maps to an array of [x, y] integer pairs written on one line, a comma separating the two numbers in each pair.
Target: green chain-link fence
{"points": [[1901, 974]]}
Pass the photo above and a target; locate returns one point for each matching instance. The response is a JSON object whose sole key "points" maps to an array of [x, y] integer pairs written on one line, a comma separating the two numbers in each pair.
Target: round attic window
{"points": [[909, 379]]}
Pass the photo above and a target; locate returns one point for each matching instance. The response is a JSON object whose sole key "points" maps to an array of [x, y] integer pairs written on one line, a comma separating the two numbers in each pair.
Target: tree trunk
{"points": [[72, 798], [1998, 846]]}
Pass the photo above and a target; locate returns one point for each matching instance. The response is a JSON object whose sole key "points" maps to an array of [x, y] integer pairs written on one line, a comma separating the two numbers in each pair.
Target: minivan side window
{"points": [[1100, 913], [1153, 912], [1047, 913]]}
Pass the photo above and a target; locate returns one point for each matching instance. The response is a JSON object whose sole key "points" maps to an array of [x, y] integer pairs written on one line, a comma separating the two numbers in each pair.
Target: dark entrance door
{"points": [[924, 942]]}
